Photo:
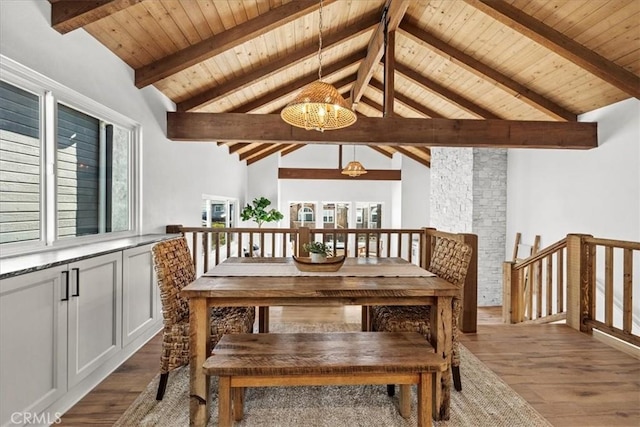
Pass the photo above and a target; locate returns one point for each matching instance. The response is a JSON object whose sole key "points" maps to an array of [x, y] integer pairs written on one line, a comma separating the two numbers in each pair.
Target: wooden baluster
{"points": [[560, 280], [549, 261], [205, 250], [627, 292], [608, 286]]}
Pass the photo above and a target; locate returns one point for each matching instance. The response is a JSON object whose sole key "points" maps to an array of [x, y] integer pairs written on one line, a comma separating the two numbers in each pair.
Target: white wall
{"points": [[175, 174], [556, 192], [405, 203]]}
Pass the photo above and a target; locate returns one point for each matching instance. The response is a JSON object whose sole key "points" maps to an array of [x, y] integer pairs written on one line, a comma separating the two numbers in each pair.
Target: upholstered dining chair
{"points": [[450, 261], [174, 270]]}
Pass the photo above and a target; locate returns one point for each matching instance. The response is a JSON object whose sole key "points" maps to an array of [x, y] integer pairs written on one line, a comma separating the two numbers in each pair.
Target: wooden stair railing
{"points": [[414, 245], [569, 287]]}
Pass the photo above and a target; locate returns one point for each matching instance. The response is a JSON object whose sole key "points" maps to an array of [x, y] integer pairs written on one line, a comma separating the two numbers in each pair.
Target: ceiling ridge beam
{"points": [[285, 90], [222, 42], [480, 69], [393, 13], [408, 102], [336, 174], [391, 131], [69, 15], [211, 95], [448, 94], [560, 44]]}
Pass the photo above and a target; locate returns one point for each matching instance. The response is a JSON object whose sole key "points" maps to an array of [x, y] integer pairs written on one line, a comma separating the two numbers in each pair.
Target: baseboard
{"points": [[616, 343]]}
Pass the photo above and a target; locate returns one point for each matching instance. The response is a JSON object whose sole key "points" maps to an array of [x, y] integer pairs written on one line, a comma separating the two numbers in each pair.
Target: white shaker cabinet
{"points": [[95, 313], [140, 295], [33, 355]]}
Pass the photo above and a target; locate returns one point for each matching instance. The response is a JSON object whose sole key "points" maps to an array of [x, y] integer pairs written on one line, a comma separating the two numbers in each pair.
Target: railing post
{"points": [[579, 284], [304, 237], [509, 293], [469, 320], [427, 245], [174, 229]]}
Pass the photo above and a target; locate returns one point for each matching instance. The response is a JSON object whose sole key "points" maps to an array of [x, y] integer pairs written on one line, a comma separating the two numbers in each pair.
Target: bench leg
{"points": [[224, 402], [425, 400], [238, 403], [405, 400]]}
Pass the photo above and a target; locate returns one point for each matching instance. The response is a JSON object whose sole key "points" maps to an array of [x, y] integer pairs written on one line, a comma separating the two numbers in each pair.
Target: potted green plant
{"points": [[259, 213], [318, 251]]}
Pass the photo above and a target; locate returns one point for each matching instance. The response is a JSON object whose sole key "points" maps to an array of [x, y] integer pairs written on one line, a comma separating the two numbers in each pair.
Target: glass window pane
{"points": [[20, 165]]}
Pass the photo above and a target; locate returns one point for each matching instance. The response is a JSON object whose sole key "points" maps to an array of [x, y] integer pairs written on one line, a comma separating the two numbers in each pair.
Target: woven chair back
{"points": [[450, 260], [174, 270]]}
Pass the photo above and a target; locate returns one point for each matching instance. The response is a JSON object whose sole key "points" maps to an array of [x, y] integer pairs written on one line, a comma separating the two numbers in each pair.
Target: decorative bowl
{"points": [[331, 264]]}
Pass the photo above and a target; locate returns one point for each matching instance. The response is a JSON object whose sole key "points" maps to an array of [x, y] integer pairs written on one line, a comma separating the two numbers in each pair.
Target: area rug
{"points": [[485, 400]]}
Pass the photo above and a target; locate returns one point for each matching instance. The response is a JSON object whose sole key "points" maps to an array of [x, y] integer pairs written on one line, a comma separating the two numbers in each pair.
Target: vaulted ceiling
{"points": [[459, 72]]}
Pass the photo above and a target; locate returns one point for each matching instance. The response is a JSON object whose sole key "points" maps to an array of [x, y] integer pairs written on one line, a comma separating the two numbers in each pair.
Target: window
{"points": [[68, 164], [302, 214], [368, 215], [328, 216]]}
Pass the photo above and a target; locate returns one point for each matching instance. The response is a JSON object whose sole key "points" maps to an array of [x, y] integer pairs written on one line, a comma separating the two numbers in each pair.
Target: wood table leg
{"points": [[441, 335], [198, 380], [366, 318], [405, 400], [224, 402], [238, 403], [424, 400]]}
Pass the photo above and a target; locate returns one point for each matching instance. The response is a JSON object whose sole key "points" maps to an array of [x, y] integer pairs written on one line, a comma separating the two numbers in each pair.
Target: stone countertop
{"points": [[27, 263]]}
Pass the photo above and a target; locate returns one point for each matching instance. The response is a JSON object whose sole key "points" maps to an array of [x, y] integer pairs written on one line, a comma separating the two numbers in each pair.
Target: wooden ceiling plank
{"points": [[238, 146], [222, 42], [69, 15], [395, 10], [310, 173], [447, 93], [300, 83], [416, 106], [560, 44], [390, 131], [482, 70], [413, 156], [211, 95]]}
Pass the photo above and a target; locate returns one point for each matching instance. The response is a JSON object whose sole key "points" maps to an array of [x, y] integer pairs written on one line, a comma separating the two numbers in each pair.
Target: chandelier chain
{"points": [[320, 43]]}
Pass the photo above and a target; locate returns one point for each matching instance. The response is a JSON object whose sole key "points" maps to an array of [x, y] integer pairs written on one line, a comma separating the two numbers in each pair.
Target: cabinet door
{"points": [[139, 293], [33, 342], [95, 313]]}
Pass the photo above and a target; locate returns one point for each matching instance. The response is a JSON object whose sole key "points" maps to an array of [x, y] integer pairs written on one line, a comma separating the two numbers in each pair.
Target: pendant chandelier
{"points": [[319, 105], [354, 168]]}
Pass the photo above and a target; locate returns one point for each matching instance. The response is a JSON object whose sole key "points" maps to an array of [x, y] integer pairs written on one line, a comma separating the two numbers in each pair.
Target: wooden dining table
{"points": [[265, 282]]}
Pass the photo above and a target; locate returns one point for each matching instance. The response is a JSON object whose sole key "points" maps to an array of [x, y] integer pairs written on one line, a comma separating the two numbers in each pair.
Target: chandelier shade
{"points": [[318, 106], [353, 169]]}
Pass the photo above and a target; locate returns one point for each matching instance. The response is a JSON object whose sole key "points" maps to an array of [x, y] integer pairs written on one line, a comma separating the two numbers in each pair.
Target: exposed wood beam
{"points": [[285, 90], [215, 45], [69, 15], [211, 95], [290, 149], [258, 149], [447, 93], [263, 154], [415, 106], [389, 74], [238, 146], [390, 131], [373, 104], [395, 10], [560, 44], [480, 69], [371, 175], [383, 150], [413, 156]]}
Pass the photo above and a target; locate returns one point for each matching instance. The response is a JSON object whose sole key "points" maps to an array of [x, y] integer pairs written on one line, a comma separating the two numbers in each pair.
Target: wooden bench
{"points": [[338, 358]]}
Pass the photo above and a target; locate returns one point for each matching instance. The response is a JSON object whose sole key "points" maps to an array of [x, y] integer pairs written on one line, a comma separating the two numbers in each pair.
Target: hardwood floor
{"points": [[569, 377]]}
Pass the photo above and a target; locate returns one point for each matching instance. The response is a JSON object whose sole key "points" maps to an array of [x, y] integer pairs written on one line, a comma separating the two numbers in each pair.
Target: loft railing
{"points": [[587, 280], [211, 246], [533, 288]]}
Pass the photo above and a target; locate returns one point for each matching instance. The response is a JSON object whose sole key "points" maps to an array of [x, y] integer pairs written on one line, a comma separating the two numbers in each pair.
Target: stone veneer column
{"points": [[469, 195]]}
